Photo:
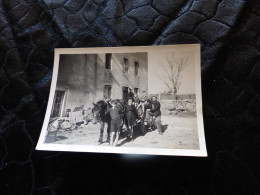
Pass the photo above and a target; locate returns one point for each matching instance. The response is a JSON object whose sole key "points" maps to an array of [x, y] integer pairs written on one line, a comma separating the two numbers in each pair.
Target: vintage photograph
{"points": [[136, 100]]}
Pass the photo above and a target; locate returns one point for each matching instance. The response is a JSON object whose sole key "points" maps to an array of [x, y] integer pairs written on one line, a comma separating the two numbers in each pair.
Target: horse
{"points": [[99, 115]]}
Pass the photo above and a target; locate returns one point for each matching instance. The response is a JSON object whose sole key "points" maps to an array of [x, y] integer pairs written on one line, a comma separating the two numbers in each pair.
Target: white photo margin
{"points": [[201, 152]]}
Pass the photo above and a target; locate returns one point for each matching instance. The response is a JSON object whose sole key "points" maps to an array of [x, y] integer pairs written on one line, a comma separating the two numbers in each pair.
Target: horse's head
{"points": [[98, 110]]}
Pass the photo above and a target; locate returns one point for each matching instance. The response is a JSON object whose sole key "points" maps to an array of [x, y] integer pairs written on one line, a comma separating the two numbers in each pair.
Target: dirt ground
{"points": [[180, 132]]}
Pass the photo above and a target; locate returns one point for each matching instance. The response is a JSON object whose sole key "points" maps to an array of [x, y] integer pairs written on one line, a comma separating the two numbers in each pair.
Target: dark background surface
{"points": [[229, 33]]}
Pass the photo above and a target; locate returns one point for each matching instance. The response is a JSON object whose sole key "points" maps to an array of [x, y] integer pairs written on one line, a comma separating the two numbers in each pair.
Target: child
{"points": [[116, 122]]}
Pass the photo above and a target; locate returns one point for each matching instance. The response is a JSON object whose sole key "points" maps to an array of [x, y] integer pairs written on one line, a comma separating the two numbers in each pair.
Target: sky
{"points": [[156, 74]]}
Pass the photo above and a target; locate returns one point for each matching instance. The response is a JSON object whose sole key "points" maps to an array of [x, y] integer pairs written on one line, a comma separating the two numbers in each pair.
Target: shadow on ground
{"points": [[164, 127], [51, 139], [137, 133]]}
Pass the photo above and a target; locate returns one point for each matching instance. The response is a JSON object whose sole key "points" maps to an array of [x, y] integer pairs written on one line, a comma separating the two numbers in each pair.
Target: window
{"points": [[107, 91], [126, 65], [136, 68], [136, 90], [108, 61], [57, 103]]}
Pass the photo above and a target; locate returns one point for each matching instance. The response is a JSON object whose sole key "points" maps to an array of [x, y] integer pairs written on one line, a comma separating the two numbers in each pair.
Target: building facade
{"points": [[86, 78]]}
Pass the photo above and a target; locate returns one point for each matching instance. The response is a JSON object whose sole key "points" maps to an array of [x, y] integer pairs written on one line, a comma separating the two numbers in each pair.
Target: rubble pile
{"points": [[178, 106]]}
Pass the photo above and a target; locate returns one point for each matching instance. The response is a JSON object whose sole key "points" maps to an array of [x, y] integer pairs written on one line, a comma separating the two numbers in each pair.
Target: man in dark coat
{"points": [[130, 94], [155, 112], [116, 122], [131, 116]]}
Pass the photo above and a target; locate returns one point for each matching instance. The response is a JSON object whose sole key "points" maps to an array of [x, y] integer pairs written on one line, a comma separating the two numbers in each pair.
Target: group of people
{"points": [[134, 109]]}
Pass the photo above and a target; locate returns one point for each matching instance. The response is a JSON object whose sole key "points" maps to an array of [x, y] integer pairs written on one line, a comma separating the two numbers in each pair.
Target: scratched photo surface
{"points": [[139, 100]]}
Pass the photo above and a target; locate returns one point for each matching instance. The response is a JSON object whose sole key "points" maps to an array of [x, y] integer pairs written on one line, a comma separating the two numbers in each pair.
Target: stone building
{"points": [[86, 78]]}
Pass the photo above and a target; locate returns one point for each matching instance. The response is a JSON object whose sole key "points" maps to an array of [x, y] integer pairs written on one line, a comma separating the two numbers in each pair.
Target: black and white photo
{"points": [[136, 100]]}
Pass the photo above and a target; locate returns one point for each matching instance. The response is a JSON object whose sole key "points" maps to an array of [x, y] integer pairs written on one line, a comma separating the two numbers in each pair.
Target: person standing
{"points": [[143, 96], [139, 106], [155, 112], [130, 94], [136, 100], [116, 122], [131, 115], [145, 103]]}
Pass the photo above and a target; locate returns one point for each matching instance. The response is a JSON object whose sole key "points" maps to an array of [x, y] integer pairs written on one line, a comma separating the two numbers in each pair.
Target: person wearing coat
{"points": [[131, 116], [116, 122], [130, 94], [155, 112]]}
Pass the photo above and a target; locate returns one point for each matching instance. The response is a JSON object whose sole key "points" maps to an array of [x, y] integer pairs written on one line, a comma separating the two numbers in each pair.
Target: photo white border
{"points": [[201, 152]]}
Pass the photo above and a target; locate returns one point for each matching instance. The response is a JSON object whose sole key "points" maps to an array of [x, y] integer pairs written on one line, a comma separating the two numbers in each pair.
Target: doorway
{"points": [[58, 104], [125, 93]]}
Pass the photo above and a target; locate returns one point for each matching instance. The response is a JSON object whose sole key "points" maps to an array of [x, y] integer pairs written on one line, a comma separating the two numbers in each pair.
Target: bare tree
{"points": [[172, 70]]}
